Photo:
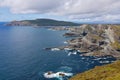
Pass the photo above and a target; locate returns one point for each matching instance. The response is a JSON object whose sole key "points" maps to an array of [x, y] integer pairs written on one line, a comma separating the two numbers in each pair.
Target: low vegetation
{"points": [[42, 22], [107, 72], [116, 45]]}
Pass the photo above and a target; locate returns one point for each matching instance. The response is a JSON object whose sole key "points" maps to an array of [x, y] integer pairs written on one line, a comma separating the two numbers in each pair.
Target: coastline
{"points": [[92, 40], [106, 72], [77, 39]]}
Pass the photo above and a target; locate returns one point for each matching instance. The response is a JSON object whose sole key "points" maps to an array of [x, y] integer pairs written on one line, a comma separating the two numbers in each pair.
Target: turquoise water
{"points": [[22, 56]]}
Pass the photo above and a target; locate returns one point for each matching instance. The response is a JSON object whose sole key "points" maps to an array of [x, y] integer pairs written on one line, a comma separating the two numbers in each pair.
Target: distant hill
{"points": [[42, 22], [107, 72]]}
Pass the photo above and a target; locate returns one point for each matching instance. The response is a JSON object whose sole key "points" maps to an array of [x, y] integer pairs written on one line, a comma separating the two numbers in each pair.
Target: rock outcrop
{"points": [[96, 40]]}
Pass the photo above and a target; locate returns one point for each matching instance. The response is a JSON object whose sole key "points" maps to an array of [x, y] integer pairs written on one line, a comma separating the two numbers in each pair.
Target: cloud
{"points": [[31, 6], [74, 9]]}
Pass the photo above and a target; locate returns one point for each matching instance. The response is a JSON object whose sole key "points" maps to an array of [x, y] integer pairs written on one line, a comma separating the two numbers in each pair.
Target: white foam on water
{"points": [[57, 75], [104, 62], [72, 53], [67, 49], [69, 53], [78, 50], [55, 49], [65, 42], [97, 59], [53, 75]]}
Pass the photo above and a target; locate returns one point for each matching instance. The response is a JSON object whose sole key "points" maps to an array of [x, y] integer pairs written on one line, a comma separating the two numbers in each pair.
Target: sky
{"points": [[70, 10]]}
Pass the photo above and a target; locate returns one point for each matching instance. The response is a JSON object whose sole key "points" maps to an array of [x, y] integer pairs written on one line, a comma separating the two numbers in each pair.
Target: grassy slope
{"points": [[116, 44], [107, 72], [50, 22]]}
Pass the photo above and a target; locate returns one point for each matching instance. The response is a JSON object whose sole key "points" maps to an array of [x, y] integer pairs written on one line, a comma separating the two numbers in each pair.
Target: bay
{"points": [[22, 54]]}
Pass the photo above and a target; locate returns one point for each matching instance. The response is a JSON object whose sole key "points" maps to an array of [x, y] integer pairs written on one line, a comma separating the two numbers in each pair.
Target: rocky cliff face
{"points": [[96, 40]]}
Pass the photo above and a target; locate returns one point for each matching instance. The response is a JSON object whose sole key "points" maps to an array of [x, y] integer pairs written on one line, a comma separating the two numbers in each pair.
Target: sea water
{"points": [[22, 55]]}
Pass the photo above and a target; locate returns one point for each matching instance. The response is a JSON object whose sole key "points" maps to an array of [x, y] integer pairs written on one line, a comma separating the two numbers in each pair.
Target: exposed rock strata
{"points": [[96, 40]]}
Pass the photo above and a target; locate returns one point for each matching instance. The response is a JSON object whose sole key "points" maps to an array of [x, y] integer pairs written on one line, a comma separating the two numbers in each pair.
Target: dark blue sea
{"points": [[22, 54]]}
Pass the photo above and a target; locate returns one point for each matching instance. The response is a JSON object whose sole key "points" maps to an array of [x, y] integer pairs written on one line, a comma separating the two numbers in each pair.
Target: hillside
{"points": [[41, 22], [107, 72], [95, 40]]}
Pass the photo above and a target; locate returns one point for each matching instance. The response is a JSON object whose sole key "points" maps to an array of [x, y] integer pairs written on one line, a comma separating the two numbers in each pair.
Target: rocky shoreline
{"points": [[93, 40]]}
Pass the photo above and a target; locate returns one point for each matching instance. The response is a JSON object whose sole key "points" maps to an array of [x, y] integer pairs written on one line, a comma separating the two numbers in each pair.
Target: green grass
{"points": [[116, 29], [116, 45], [107, 72], [51, 22]]}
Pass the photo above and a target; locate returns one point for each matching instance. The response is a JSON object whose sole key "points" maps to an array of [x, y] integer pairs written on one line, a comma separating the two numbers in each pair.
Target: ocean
{"points": [[22, 55]]}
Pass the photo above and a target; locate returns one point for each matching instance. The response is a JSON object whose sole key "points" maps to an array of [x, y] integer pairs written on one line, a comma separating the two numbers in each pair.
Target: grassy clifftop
{"points": [[42, 22], [107, 72]]}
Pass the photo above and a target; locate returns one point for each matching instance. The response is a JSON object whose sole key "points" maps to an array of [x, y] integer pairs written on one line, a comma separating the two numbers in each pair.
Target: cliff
{"points": [[42, 22], [107, 72], [96, 40]]}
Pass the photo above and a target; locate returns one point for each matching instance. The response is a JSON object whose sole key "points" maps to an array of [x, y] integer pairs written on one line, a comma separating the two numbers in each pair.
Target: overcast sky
{"points": [[78, 10]]}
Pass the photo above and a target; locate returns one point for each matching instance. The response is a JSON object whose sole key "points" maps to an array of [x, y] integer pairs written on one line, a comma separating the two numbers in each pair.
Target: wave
{"points": [[59, 75], [65, 42], [55, 49], [72, 53]]}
